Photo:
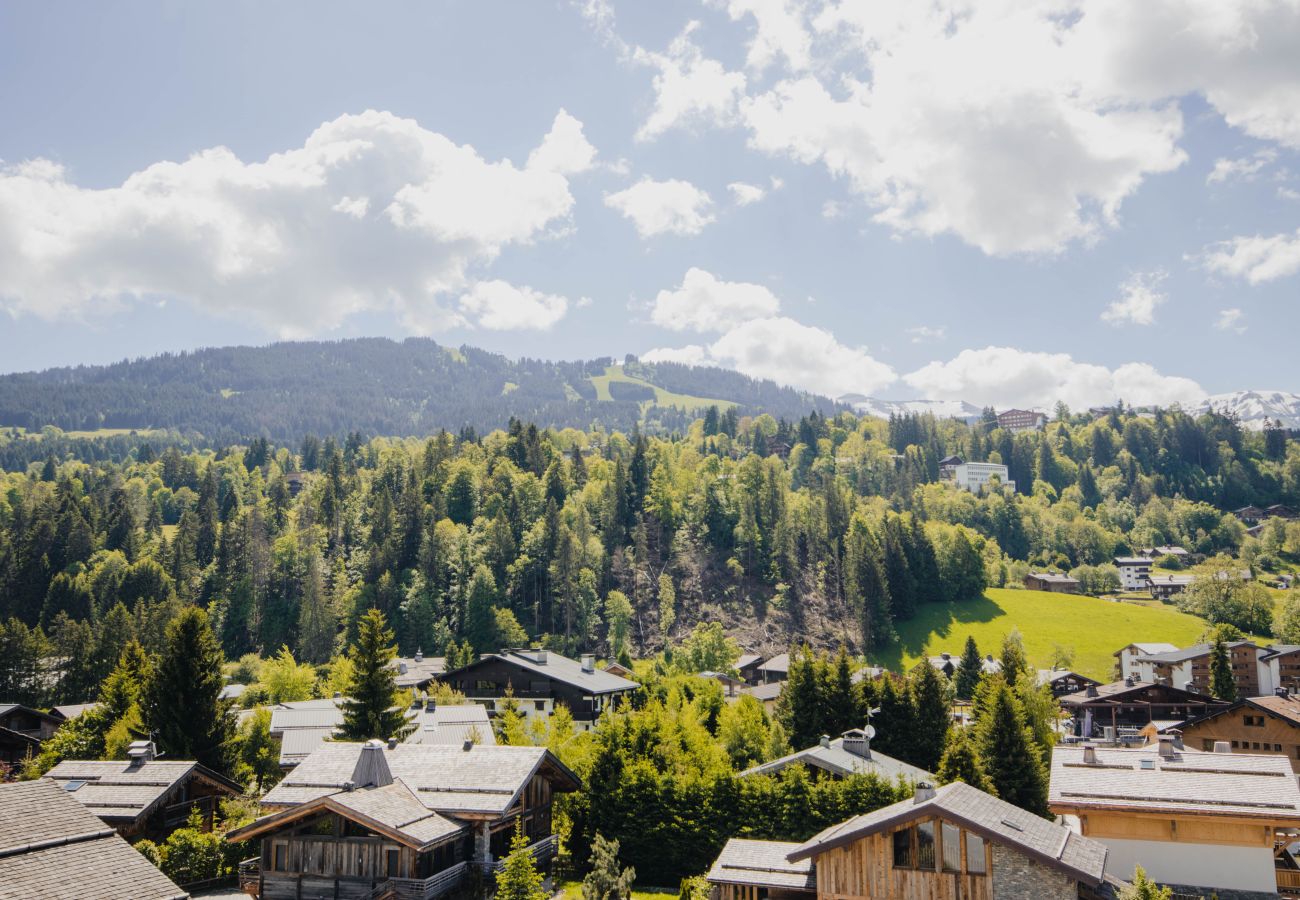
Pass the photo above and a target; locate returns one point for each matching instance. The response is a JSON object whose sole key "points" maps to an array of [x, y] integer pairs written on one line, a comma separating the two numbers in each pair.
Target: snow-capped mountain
{"points": [[1254, 408], [941, 409]]}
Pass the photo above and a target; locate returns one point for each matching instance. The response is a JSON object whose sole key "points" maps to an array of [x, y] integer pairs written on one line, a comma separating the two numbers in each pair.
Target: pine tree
{"points": [[843, 709], [971, 670], [961, 762], [894, 721], [371, 709], [1013, 657], [931, 717], [317, 618], [181, 702], [607, 880], [1222, 684], [519, 878], [1009, 755], [801, 706]]}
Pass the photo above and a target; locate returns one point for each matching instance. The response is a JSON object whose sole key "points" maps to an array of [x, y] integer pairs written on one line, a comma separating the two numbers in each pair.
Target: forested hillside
{"points": [[613, 542], [372, 385]]}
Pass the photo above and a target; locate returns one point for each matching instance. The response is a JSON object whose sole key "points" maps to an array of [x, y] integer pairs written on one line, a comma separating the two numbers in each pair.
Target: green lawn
{"points": [[572, 890], [662, 397], [1094, 628]]}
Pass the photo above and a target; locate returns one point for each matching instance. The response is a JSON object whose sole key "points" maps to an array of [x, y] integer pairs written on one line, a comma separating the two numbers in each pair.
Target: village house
{"points": [[539, 680], [403, 820], [143, 796], [22, 731], [1054, 582], [948, 466], [1018, 420], [747, 667], [1178, 553], [451, 724], [947, 664], [977, 476], [53, 848], [615, 668], [1128, 655], [1197, 821], [1284, 665], [1190, 668], [731, 685], [954, 843], [775, 669], [1133, 572], [849, 754], [1269, 724], [1063, 681], [767, 694], [416, 673], [1121, 709], [1162, 587]]}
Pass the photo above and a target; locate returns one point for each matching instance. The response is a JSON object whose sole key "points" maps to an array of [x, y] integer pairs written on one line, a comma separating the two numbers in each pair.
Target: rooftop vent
{"points": [[1090, 691], [141, 752], [1014, 826], [825, 740], [468, 745], [419, 655], [1222, 747], [1166, 745], [392, 743], [1089, 754], [1149, 764], [401, 668], [1128, 681], [588, 662], [1281, 692], [371, 769], [924, 792]]}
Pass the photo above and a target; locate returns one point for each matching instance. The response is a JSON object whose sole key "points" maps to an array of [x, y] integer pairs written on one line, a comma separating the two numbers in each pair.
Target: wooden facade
{"points": [[1243, 656], [926, 859], [493, 678], [1247, 728]]}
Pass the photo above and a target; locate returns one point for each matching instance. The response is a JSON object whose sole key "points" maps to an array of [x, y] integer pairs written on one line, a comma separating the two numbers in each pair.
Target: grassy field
{"points": [[572, 890], [662, 397], [1093, 628]]}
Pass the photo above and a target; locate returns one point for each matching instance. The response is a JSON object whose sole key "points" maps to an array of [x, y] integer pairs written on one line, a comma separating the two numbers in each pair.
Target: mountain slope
{"points": [[940, 409], [377, 386], [1256, 408]]}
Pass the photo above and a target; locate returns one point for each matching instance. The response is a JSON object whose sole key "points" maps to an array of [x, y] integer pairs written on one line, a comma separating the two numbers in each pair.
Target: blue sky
{"points": [[1001, 202]]}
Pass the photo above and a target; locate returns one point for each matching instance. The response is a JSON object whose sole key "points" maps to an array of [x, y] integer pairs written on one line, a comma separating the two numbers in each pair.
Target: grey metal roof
{"points": [[307, 714], [1054, 577], [763, 864], [479, 781], [116, 791], [1146, 647], [838, 761], [562, 669], [53, 848], [748, 659], [1047, 676], [778, 663], [764, 692], [414, 673], [1190, 783], [996, 820], [296, 744], [72, 710]]}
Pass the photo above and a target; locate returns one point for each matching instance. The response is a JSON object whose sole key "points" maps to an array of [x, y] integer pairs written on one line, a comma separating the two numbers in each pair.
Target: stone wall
{"points": [[1017, 877]]}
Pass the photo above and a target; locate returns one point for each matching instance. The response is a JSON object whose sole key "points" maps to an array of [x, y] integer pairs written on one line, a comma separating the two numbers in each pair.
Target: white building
{"points": [[1133, 572], [1129, 656], [975, 476]]}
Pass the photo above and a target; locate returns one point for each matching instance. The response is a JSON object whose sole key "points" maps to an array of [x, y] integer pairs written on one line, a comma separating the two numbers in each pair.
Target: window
{"points": [[73, 785], [1207, 745], [975, 854], [393, 862], [485, 686], [1277, 748], [925, 846], [539, 705], [903, 856], [280, 858], [951, 845]]}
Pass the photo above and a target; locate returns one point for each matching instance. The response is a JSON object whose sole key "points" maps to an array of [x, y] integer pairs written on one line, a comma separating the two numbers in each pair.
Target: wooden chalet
{"points": [[1053, 582], [539, 680], [400, 820], [1283, 661], [1268, 725], [419, 671], [954, 843], [1064, 682], [775, 669], [1203, 823], [143, 796], [53, 848], [1125, 707], [747, 667], [22, 731], [849, 754]]}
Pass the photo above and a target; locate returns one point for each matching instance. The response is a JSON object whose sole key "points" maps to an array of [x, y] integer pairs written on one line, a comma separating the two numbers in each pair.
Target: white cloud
{"points": [[746, 194], [1139, 296], [1257, 258], [1230, 320], [663, 207], [703, 303], [690, 89], [779, 31], [564, 149], [373, 212], [922, 333], [502, 306], [1287, 193], [790, 353], [1244, 168], [1005, 376]]}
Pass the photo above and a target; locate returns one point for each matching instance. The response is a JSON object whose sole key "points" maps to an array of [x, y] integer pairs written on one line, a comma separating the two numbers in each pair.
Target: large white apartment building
{"points": [[975, 476]]}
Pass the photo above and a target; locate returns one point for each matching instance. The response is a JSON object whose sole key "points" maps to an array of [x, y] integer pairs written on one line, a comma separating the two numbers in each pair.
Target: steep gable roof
{"points": [[835, 759], [763, 864], [1285, 708], [995, 820], [557, 668], [118, 791]]}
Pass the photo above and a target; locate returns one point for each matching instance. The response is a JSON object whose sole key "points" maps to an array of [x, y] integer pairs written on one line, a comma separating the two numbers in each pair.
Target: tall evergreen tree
{"points": [[961, 762], [971, 670], [372, 708], [931, 716], [1222, 684], [1009, 755], [519, 878], [607, 879], [181, 702], [1013, 660]]}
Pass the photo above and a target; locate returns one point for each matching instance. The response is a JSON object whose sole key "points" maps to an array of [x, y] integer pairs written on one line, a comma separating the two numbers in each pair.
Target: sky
{"points": [[1001, 202]]}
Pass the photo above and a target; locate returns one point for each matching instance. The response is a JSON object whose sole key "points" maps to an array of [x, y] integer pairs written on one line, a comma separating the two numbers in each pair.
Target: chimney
{"points": [[1128, 681], [392, 743], [1222, 747], [371, 769], [430, 704], [401, 668], [419, 655], [140, 752], [1166, 746], [467, 746], [588, 662], [924, 792], [338, 696], [538, 655], [1090, 691], [1089, 755], [856, 742], [1281, 692], [825, 741]]}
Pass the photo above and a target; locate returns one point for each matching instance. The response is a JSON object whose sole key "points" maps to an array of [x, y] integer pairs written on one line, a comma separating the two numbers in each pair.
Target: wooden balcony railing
{"points": [[1288, 880]]}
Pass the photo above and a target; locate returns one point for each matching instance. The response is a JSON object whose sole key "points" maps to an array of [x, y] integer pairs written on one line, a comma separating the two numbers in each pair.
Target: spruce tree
{"points": [[1009, 755], [961, 762], [519, 878], [1222, 684], [181, 702], [931, 717], [843, 711], [894, 721], [1013, 657], [371, 709], [801, 707], [971, 670], [607, 880]]}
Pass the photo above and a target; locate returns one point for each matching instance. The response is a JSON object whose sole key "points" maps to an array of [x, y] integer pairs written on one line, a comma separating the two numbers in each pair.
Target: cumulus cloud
{"points": [[1139, 296], [922, 333], [1004, 376], [501, 306], [745, 194], [663, 207], [1256, 258], [1230, 320], [779, 32], [703, 303], [1241, 169], [690, 89], [372, 212], [788, 352]]}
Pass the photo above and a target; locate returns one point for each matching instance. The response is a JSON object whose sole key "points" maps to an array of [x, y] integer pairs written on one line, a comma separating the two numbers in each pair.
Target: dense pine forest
{"points": [[286, 391], [831, 530]]}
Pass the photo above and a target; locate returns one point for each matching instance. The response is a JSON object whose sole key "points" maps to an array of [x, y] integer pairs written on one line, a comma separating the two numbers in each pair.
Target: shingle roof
{"points": [[453, 725], [764, 692], [116, 791], [412, 672], [1286, 708], [296, 744], [778, 663], [996, 820], [306, 714], [1116, 691], [1190, 782], [562, 669], [53, 848], [1047, 676], [1192, 652], [764, 864], [482, 780], [838, 761]]}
